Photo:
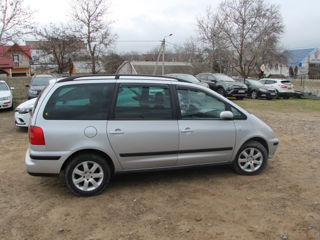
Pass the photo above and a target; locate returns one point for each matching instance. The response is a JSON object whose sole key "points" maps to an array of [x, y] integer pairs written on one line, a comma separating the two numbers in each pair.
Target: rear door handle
{"points": [[187, 130], [117, 131]]}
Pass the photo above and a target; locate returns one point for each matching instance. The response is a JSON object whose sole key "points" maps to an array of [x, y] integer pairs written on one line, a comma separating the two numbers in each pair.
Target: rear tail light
{"points": [[282, 86], [36, 136]]}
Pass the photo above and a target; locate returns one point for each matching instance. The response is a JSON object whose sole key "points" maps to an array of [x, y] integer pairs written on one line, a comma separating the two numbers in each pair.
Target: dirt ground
{"points": [[283, 202]]}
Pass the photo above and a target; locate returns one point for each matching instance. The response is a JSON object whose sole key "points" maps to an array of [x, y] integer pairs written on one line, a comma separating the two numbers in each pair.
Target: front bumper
{"points": [[22, 119], [273, 145], [237, 92]]}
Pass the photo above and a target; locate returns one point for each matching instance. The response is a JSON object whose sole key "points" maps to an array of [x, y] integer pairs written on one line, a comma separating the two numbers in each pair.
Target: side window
{"points": [[237, 115], [196, 104], [143, 103], [80, 102], [211, 78], [203, 76]]}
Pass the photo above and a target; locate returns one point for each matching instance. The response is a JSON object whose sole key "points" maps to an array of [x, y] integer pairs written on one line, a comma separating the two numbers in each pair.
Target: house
{"points": [[15, 60], [301, 63], [148, 67], [42, 61]]}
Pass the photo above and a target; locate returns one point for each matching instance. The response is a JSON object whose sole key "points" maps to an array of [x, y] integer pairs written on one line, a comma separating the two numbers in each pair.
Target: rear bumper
{"points": [[5, 104], [47, 164]]}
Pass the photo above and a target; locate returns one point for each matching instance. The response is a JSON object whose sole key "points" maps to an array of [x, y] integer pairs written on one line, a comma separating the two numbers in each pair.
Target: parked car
{"points": [[257, 90], [91, 128], [187, 77], [38, 82], [224, 85], [283, 87], [23, 113], [6, 101]]}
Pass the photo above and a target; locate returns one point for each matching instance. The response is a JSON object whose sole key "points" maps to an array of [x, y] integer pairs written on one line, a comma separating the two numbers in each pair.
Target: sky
{"points": [[141, 24]]}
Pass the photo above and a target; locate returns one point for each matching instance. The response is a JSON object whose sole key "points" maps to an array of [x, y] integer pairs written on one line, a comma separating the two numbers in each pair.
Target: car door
{"points": [[204, 137], [143, 132]]}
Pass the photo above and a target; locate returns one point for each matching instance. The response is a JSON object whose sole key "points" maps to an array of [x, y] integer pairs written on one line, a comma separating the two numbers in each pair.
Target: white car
{"points": [[5, 95], [284, 87], [23, 113]]}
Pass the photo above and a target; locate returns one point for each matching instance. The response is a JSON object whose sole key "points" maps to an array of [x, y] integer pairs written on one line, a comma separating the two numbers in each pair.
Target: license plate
{"points": [[289, 88], [272, 94], [241, 91]]}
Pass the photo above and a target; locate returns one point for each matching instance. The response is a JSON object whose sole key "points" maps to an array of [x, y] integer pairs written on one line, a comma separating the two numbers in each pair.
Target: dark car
{"points": [[257, 90], [224, 85], [188, 78], [38, 82]]}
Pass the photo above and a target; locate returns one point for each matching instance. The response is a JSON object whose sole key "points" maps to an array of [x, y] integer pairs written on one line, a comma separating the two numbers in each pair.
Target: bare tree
{"points": [[249, 26], [211, 36], [111, 62], [91, 26], [59, 42], [248, 29], [15, 20]]}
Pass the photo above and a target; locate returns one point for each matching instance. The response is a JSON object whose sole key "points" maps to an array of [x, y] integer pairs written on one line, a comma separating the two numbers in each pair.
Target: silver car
{"points": [[92, 127]]}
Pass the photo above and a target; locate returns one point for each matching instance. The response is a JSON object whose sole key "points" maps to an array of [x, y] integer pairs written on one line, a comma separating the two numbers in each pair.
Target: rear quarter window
{"points": [[80, 102]]}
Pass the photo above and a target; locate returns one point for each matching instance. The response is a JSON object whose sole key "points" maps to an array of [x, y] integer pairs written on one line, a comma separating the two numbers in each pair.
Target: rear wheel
{"points": [[251, 158], [254, 95], [87, 174]]}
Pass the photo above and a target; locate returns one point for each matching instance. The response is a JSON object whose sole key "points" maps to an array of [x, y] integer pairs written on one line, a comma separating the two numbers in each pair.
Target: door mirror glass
{"points": [[226, 115]]}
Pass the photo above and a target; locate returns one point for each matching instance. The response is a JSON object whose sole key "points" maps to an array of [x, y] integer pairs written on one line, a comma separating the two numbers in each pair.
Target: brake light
{"points": [[283, 86], [36, 136]]}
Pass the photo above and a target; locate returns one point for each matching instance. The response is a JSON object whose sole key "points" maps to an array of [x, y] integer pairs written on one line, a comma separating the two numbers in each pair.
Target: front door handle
{"points": [[187, 130], [117, 131]]}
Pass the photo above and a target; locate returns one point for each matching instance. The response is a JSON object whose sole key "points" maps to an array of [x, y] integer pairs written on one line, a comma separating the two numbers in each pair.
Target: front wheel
{"points": [[221, 91], [87, 174], [251, 158]]}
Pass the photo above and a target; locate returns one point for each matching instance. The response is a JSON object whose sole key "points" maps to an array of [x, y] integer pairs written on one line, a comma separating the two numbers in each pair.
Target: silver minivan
{"points": [[92, 127]]}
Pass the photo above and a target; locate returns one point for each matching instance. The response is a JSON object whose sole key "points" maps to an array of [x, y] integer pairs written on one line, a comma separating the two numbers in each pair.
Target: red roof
{"points": [[25, 49], [5, 60]]}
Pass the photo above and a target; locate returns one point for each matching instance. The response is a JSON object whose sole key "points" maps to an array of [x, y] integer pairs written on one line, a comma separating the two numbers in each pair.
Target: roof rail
{"points": [[118, 76]]}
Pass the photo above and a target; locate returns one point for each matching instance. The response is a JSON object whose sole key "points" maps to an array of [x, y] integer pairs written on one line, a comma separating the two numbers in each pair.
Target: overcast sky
{"points": [[151, 20]]}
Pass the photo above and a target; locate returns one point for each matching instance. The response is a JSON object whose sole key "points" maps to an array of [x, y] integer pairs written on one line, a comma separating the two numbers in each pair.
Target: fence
{"points": [[20, 91], [310, 87]]}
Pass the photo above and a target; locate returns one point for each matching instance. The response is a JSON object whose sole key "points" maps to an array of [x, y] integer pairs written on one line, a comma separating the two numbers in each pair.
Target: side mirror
{"points": [[226, 115], [27, 85]]}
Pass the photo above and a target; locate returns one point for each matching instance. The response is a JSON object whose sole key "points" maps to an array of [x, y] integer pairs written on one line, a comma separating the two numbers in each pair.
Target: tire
{"points": [[251, 159], [277, 96], [239, 98], [286, 97], [221, 91], [254, 95], [87, 174]]}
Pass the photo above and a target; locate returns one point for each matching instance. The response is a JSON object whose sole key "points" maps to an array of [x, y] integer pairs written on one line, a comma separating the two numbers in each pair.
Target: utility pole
{"points": [[161, 52]]}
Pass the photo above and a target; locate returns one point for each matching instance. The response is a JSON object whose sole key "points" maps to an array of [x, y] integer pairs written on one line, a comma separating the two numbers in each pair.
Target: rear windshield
{"points": [[3, 87], [41, 81], [286, 82]]}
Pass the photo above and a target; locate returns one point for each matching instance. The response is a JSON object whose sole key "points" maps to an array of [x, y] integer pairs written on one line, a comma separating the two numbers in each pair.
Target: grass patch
{"points": [[281, 105]]}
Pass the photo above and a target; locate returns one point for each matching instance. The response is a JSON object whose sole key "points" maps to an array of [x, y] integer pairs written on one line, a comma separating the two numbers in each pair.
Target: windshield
{"points": [[186, 77], [255, 83], [3, 87], [41, 81], [224, 78]]}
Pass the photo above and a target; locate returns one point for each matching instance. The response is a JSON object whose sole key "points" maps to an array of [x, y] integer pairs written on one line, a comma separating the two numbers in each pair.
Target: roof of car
{"points": [[121, 76]]}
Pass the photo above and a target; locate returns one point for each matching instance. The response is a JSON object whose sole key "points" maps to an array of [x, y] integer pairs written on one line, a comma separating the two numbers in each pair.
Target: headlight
{"points": [[4, 98], [23, 110], [263, 90]]}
